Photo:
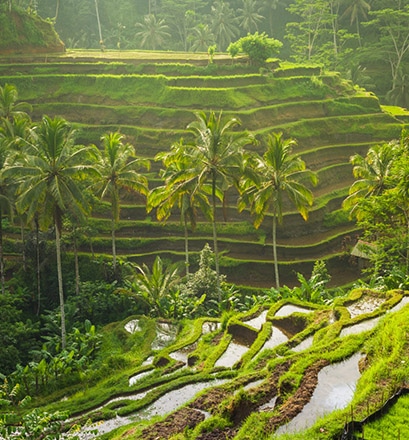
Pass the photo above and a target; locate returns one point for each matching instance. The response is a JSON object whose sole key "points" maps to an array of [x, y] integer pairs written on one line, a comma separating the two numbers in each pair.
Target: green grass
{"points": [[393, 425]]}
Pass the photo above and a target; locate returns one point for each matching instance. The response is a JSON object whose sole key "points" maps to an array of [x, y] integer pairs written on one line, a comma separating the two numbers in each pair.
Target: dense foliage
{"points": [[365, 40]]}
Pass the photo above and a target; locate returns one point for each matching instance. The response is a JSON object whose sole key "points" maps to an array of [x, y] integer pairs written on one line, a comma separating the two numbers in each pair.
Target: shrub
{"points": [[257, 46]]}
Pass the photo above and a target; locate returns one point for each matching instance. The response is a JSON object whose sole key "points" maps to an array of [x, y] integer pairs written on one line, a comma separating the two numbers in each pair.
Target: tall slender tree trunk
{"points": [[101, 40], [215, 247], [23, 241], [186, 248], [57, 10], [38, 265], [277, 277], [60, 284], [3, 281], [113, 244], [77, 267]]}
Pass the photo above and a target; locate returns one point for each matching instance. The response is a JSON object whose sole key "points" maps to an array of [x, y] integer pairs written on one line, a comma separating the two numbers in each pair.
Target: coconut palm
{"points": [[278, 173], [249, 16], [153, 32], [10, 108], [201, 38], [356, 10], [118, 167], [372, 174], [270, 9], [49, 184], [223, 24], [6, 200], [216, 159], [180, 191]]}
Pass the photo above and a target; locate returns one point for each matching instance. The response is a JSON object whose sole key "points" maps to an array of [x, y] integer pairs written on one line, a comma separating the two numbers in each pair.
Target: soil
{"points": [[185, 418], [191, 416]]}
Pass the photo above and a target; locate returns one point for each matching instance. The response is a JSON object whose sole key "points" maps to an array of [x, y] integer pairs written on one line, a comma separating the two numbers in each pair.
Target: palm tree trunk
{"points": [[275, 251], [216, 252], [186, 248], [38, 265], [60, 284], [77, 268], [3, 281], [113, 245], [57, 9], [101, 40], [23, 241]]}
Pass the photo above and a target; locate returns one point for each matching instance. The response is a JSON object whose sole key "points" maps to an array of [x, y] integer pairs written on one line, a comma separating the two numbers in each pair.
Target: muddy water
{"points": [[182, 354], [369, 324], [335, 389], [164, 405], [364, 305], [209, 327]]}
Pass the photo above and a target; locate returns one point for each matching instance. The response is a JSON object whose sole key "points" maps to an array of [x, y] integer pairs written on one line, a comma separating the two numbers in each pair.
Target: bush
{"points": [[257, 46]]}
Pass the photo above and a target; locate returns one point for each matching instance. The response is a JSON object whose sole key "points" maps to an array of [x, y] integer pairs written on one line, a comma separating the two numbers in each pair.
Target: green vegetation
{"points": [[119, 263]]}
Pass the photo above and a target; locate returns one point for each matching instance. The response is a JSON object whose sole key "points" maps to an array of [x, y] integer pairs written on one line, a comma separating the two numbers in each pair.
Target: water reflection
{"points": [[335, 389], [277, 337], [165, 334], [164, 405], [304, 345], [233, 354], [289, 309], [133, 326], [258, 321]]}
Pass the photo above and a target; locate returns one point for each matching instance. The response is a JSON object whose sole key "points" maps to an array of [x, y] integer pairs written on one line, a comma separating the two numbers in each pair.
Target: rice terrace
{"points": [[199, 245]]}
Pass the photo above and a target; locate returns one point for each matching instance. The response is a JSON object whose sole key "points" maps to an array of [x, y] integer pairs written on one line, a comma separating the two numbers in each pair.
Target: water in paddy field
{"points": [[289, 309], [335, 389], [258, 321], [132, 326], [369, 324], [304, 344], [165, 334], [277, 337], [233, 354], [166, 404]]}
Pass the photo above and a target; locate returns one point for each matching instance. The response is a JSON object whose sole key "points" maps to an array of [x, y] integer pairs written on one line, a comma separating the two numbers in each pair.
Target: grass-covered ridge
{"points": [[151, 97], [264, 388]]}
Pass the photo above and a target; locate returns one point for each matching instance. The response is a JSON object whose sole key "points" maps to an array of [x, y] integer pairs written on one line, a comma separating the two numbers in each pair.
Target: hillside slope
{"points": [[152, 97], [288, 370], [27, 34]]}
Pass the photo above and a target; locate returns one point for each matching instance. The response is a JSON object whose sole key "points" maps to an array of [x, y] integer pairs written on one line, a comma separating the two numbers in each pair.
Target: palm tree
{"points": [[10, 108], [356, 10], [277, 174], [249, 16], [6, 201], [101, 40], [178, 190], [270, 10], [202, 37], [223, 23], [154, 33], [49, 176], [372, 174], [217, 158], [118, 168]]}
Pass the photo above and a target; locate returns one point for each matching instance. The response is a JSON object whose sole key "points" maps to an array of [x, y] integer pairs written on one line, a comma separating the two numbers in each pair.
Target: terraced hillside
{"points": [[151, 101], [290, 370]]}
